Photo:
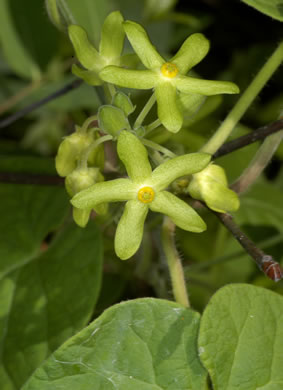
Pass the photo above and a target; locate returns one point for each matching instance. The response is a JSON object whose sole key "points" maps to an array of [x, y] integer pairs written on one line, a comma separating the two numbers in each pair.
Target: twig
{"points": [[265, 262], [248, 139], [27, 178], [26, 110], [258, 163]]}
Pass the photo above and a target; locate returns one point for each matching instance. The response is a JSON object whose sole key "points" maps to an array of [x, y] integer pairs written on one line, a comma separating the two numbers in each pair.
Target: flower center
{"points": [[146, 195], [169, 70]]}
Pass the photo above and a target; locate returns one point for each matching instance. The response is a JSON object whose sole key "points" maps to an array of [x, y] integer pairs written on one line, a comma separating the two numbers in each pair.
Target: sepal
{"points": [[112, 120], [122, 101]]}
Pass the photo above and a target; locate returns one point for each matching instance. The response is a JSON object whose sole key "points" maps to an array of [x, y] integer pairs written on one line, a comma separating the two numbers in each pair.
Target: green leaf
{"points": [[48, 300], [145, 344], [29, 40], [273, 8], [261, 205], [28, 214], [241, 338]]}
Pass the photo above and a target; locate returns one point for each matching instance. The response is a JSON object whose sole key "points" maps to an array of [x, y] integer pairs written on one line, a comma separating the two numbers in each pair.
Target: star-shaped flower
{"points": [[167, 78], [144, 190], [110, 48]]}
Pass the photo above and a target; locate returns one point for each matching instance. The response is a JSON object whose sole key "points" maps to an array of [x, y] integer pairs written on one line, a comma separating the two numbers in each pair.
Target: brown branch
{"points": [[266, 263], [26, 110], [256, 135], [27, 178]]}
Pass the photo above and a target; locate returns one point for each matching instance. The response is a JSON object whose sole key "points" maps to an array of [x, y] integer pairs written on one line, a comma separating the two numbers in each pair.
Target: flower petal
{"points": [[89, 76], [141, 44], [130, 229], [134, 156], [192, 51], [180, 212], [108, 191], [179, 166], [168, 111], [112, 36], [138, 79], [85, 52], [205, 87]]}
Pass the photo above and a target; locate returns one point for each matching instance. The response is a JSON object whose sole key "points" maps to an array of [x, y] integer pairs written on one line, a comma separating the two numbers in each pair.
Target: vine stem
{"points": [[26, 110], [148, 106], [174, 263], [245, 101], [159, 148], [93, 145], [152, 126], [258, 163]]}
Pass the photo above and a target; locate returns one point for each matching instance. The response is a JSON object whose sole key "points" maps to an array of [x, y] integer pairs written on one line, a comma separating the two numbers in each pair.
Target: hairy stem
{"points": [[245, 101], [174, 263]]}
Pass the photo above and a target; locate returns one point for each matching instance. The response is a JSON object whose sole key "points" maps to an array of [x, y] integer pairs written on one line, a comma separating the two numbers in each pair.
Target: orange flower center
{"points": [[146, 195], [169, 70]]}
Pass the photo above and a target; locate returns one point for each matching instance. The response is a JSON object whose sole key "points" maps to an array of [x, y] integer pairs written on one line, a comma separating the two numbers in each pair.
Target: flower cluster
{"points": [[80, 165], [144, 190]]}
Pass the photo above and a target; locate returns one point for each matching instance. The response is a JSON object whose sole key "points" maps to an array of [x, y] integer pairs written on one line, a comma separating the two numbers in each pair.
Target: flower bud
{"points": [[80, 179], [69, 152], [112, 120], [211, 186]]}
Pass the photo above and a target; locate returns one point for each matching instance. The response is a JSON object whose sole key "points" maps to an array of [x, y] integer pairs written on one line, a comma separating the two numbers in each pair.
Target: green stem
{"points": [[244, 102], [109, 90], [93, 145], [258, 163], [174, 263], [144, 111], [159, 148], [88, 122], [66, 12], [152, 126]]}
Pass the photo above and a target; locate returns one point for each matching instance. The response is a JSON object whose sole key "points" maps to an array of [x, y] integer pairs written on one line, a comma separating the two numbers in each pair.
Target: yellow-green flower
{"points": [[144, 190], [166, 78], [110, 48]]}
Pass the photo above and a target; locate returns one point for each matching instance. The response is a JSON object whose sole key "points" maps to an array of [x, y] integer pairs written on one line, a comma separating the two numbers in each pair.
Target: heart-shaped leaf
{"points": [[241, 338], [145, 344]]}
